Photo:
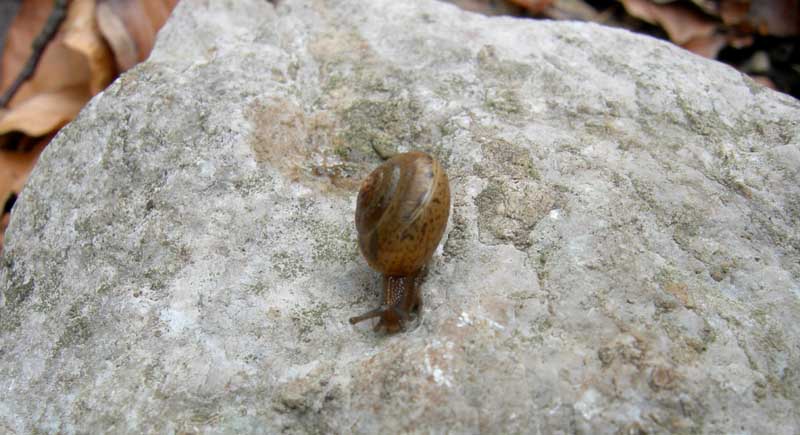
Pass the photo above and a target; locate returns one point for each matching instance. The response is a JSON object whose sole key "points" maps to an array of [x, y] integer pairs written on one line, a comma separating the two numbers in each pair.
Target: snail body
{"points": [[401, 215]]}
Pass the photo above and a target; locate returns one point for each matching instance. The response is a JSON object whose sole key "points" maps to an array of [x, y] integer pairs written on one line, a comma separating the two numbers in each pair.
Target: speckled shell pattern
{"points": [[402, 212]]}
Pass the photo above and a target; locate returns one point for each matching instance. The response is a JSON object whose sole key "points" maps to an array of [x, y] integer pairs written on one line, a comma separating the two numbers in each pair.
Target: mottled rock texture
{"points": [[623, 251]]}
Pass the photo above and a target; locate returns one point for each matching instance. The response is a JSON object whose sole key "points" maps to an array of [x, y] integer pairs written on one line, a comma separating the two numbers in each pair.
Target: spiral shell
{"points": [[402, 213]]}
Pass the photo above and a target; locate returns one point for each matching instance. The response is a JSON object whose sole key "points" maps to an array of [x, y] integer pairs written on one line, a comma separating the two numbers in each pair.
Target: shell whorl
{"points": [[401, 212]]}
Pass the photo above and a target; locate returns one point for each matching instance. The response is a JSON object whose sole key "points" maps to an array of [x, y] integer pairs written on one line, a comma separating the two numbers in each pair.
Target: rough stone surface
{"points": [[623, 253]]}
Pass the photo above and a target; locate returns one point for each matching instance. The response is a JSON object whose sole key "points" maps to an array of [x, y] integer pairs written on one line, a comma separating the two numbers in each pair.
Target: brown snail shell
{"points": [[401, 215]]}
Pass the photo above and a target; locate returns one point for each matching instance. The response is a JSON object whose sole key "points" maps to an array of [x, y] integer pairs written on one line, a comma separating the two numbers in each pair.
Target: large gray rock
{"points": [[623, 253]]}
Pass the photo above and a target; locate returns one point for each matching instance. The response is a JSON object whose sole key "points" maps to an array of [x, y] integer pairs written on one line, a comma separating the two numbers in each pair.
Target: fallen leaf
{"points": [[16, 168], [75, 65], [121, 42], [733, 12], [130, 27], [82, 35], [736, 40], [17, 165], [44, 112], [711, 7], [706, 46], [66, 66], [573, 10], [681, 22], [535, 7]]}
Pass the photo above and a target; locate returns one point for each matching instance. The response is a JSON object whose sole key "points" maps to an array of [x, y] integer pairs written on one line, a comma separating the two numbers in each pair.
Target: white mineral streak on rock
{"points": [[589, 404], [434, 370]]}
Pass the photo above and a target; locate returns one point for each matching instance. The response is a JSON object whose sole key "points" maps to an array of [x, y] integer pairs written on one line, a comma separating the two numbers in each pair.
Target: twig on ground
{"points": [[42, 39]]}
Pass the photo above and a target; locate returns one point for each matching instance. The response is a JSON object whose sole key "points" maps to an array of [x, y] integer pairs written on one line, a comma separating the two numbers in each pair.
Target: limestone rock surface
{"points": [[623, 252]]}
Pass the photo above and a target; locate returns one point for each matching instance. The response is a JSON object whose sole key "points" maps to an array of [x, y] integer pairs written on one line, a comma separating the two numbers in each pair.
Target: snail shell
{"points": [[401, 215]]}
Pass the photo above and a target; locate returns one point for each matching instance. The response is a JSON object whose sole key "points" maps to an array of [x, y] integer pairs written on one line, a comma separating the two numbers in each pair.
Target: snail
{"points": [[401, 213]]}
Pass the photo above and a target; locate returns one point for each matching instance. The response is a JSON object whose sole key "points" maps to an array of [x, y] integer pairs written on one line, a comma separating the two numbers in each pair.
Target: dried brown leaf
{"points": [[706, 46], [733, 12], [75, 65], [64, 67], [573, 10], [739, 41], [535, 7], [15, 167], [711, 7], [14, 170], [44, 112], [681, 22], [130, 27], [121, 42], [81, 34]]}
